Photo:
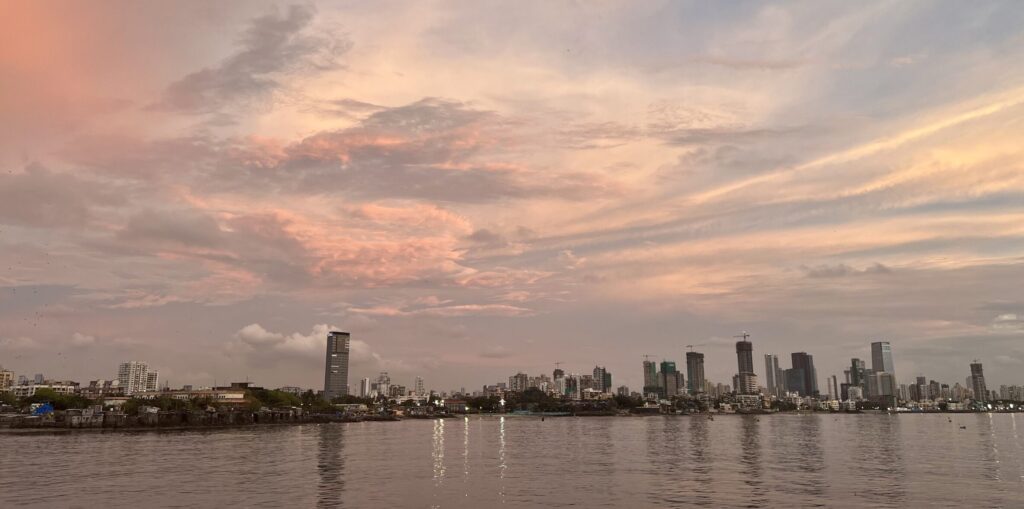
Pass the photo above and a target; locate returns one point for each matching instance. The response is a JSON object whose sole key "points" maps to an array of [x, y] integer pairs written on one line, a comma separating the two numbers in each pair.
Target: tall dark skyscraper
{"points": [[336, 365], [805, 362], [857, 372], [745, 356], [558, 373], [745, 381], [881, 357], [695, 372], [978, 382]]}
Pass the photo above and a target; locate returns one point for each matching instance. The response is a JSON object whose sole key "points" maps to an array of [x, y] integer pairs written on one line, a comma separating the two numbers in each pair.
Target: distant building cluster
{"points": [[861, 386]]}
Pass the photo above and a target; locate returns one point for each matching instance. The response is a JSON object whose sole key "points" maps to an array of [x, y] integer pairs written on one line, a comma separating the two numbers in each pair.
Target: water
{"points": [[734, 461]]}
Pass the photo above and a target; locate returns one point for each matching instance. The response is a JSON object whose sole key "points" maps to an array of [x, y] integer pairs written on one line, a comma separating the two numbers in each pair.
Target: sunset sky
{"points": [[474, 189]]}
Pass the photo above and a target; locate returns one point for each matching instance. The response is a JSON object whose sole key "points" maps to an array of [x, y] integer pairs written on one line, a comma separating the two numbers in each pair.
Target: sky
{"points": [[474, 189]]}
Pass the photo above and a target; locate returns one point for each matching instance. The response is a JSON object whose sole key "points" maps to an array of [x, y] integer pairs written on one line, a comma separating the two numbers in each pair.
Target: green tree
{"points": [[7, 398], [59, 401]]}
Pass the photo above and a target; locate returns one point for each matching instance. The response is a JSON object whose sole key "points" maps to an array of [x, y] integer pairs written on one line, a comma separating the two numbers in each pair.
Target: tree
{"points": [[626, 402], [7, 398], [59, 401]]}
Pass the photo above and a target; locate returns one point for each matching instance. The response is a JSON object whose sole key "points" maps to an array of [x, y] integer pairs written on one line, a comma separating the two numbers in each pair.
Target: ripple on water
{"points": [[669, 461]]}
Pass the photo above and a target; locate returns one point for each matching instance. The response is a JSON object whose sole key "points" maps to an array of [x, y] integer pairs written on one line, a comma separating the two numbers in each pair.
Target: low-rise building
{"points": [[101, 389], [65, 388], [222, 395]]}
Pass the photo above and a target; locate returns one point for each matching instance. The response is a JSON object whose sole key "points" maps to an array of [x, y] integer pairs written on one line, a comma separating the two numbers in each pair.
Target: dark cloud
{"points": [[485, 236], [843, 270], [188, 228], [38, 197], [273, 44], [347, 108]]}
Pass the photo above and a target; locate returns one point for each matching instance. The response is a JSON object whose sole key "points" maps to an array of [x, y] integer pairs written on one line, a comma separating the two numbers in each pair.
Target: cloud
{"points": [[263, 346], [272, 45], [843, 270], [570, 260], [18, 343], [1008, 322], [496, 352], [446, 311], [79, 339], [38, 197]]}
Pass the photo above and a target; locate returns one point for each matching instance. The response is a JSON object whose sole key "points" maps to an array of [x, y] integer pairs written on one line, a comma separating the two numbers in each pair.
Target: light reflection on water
{"points": [[733, 461]]}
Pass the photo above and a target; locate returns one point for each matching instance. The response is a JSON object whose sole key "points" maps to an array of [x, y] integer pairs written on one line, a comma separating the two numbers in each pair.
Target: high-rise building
{"points": [[623, 390], [745, 356], [557, 373], [418, 387], [881, 357], [650, 378], [770, 363], [6, 380], [794, 380], [336, 365], [152, 381], [857, 367], [978, 382], [805, 362], [602, 379], [135, 377], [745, 381], [668, 380], [364, 388], [833, 388], [518, 382], [695, 372]]}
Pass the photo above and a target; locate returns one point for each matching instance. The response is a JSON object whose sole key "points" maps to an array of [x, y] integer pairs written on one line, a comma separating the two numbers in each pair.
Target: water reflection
{"points": [[465, 450], [810, 457], [438, 452], [502, 466], [700, 461], [330, 465], [750, 459]]}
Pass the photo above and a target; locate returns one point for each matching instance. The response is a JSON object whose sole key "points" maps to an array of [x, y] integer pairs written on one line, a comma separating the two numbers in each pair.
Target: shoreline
{"points": [[28, 430]]}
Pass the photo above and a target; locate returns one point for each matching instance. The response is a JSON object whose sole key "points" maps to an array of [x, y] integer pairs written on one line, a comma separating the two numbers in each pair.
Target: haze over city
{"points": [[474, 192]]}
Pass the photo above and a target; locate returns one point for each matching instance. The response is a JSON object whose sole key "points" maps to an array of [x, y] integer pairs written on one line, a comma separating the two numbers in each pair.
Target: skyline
{"points": [[472, 190]]}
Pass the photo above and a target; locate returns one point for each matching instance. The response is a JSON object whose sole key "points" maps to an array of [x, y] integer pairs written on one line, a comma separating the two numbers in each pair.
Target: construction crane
{"points": [[743, 335], [690, 347], [558, 365]]}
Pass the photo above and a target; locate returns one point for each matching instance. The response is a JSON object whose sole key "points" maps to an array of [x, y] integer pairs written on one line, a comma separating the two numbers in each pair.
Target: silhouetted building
{"points": [[745, 356], [857, 372], [978, 383], [805, 362], [695, 372], [336, 365]]}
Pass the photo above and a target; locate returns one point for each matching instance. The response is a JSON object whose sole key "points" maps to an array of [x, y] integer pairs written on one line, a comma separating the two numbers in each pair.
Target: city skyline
{"points": [[476, 190]]}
